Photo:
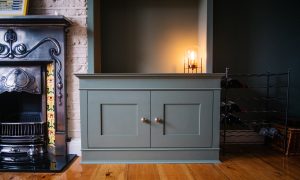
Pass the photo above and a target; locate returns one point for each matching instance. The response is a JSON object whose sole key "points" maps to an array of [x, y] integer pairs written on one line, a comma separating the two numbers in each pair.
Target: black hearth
{"points": [[33, 127]]}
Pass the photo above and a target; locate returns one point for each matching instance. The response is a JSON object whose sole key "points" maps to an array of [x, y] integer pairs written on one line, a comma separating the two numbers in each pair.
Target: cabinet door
{"points": [[184, 118], [114, 119]]}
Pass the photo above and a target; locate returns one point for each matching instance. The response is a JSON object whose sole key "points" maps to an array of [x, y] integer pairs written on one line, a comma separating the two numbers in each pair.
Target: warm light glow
{"points": [[191, 61], [192, 55]]}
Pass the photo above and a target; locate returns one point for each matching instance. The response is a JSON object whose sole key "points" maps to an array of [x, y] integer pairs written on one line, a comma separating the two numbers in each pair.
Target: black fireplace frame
{"points": [[38, 41]]}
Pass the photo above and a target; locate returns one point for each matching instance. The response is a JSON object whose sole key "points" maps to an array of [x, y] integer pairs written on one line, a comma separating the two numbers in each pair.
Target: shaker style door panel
{"points": [[181, 118], [114, 119]]}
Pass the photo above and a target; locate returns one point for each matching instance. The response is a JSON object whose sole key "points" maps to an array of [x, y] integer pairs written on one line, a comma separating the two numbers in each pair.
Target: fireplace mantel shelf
{"points": [[35, 20]]}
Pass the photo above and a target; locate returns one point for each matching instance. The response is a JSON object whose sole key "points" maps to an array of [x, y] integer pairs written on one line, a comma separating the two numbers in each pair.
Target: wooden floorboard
{"points": [[291, 166], [206, 171], [174, 172], [147, 171], [254, 168], [246, 164]]}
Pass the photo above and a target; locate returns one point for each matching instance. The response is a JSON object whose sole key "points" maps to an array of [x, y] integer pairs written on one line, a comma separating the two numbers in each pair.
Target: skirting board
{"points": [[74, 147], [144, 156]]}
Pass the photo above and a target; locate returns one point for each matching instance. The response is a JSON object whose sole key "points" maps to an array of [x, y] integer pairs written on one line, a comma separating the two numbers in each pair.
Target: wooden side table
{"points": [[293, 140]]}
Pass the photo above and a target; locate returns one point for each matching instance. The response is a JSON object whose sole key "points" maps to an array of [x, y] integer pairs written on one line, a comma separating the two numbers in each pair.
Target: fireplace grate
{"points": [[22, 129]]}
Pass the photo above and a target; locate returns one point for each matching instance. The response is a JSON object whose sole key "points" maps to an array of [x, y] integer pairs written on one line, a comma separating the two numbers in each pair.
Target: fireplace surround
{"points": [[33, 127]]}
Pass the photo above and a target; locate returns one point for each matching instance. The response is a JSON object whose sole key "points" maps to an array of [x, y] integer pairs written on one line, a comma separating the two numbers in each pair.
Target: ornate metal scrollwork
{"points": [[21, 51], [18, 79]]}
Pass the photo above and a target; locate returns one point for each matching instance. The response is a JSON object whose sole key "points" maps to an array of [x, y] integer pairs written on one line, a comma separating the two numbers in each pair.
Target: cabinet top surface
{"points": [[156, 75]]}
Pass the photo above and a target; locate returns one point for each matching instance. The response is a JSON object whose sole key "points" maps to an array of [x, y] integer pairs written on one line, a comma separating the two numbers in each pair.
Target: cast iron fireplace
{"points": [[33, 128], [22, 123]]}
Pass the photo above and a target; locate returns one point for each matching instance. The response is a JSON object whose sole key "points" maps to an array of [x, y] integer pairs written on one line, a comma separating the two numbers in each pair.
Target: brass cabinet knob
{"points": [[158, 120], [144, 120]]}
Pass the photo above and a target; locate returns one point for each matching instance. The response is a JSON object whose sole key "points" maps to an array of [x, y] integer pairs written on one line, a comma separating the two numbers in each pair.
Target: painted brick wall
{"points": [[76, 62]]}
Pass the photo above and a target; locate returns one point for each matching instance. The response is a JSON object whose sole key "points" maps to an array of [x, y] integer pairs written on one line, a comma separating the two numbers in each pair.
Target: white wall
{"points": [[76, 62]]}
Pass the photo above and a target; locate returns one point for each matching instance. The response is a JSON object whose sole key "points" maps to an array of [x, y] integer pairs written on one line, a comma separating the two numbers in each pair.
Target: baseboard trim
{"points": [[155, 162], [74, 146], [148, 156]]}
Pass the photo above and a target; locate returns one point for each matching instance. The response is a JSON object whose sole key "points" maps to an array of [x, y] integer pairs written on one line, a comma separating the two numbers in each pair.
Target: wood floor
{"points": [[245, 163]]}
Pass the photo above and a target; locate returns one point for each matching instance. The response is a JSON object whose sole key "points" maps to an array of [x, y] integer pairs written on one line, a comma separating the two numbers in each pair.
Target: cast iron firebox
{"points": [[33, 126]]}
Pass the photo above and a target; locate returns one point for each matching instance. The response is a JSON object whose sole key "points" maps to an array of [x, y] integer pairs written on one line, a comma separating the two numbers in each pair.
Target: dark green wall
{"points": [[258, 36]]}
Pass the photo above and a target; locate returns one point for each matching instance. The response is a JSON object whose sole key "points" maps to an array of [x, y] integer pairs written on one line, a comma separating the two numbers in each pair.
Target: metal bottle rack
{"points": [[271, 93]]}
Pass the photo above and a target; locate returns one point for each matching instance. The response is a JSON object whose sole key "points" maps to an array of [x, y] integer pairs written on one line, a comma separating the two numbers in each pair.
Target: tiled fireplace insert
{"points": [[33, 127]]}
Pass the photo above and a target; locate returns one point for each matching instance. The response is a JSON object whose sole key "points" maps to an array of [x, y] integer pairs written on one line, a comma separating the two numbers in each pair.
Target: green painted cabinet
{"points": [[144, 118]]}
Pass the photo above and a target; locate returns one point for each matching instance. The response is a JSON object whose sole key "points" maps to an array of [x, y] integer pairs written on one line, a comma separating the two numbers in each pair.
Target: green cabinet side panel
{"points": [[216, 119], [83, 118]]}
